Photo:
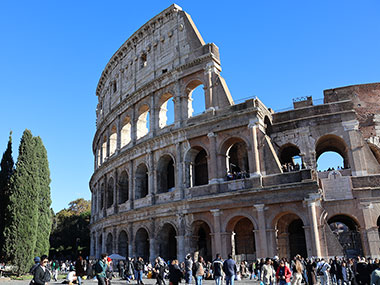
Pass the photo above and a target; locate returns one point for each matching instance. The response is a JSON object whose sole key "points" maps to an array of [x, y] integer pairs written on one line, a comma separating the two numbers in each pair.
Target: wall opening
{"points": [[123, 187], [242, 239], [141, 187], [143, 60], [167, 242], [290, 158], [98, 157], [143, 121], [166, 112], [123, 244], [200, 169], [142, 244], [268, 126], [331, 143], [375, 151], [110, 188], [104, 149], [237, 160], [102, 193], [330, 160], [202, 239], [109, 244], [113, 140], [196, 98], [347, 232], [125, 134], [166, 174]]}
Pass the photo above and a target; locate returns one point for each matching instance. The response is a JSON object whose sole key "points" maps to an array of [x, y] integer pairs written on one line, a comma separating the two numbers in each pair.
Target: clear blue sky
{"points": [[53, 52]]}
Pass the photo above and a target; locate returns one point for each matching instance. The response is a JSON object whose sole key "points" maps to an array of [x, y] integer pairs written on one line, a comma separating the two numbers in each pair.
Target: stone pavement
{"points": [[117, 281]]}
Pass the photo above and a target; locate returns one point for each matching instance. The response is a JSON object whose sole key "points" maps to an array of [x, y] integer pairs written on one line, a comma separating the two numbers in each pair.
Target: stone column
{"points": [[272, 245], [152, 240], [217, 233], [114, 241], [312, 201], [131, 186], [371, 240], [104, 239], [92, 251], [181, 251], [116, 193], [118, 134], [226, 244], [310, 246], [263, 248], [151, 176], [254, 164], [153, 120], [133, 125], [105, 196], [179, 170], [213, 163], [131, 241]]}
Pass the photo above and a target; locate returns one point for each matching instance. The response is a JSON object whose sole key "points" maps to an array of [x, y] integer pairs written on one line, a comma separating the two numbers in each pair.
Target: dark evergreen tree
{"points": [[7, 167], [44, 201], [20, 231]]}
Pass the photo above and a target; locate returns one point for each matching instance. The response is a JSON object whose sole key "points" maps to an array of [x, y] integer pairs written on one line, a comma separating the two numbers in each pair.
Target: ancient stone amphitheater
{"points": [[236, 178]]}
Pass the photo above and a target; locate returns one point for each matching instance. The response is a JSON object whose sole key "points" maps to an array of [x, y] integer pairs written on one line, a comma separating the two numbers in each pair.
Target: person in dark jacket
{"points": [[79, 269], [217, 268], [175, 273], [140, 270], [41, 273], [229, 268]]}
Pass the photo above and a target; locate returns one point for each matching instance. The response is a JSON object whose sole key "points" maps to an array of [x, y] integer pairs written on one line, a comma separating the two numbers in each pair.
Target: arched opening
{"points": [[202, 240], [123, 244], [113, 140], [375, 151], [268, 126], [347, 232], [200, 169], [142, 244], [166, 113], [109, 244], [125, 133], [165, 174], [141, 187], [98, 157], [332, 144], [102, 193], [290, 158], [237, 160], [196, 98], [290, 236], [167, 242], [123, 187], [143, 121], [104, 149], [100, 244], [242, 239], [110, 188]]}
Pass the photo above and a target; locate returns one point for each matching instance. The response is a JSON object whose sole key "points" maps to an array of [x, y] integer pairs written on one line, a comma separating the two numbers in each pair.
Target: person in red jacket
{"points": [[283, 274]]}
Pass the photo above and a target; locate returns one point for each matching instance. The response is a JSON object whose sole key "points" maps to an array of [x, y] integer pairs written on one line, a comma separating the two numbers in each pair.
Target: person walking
{"points": [[100, 269], [41, 273], [323, 270], [217, 268], [375, 276], [198, 270], [79, 269], [188, 269], [140, 270], [283, 274], [230, 269], [297, 272], [268, 272], [175, 273]]}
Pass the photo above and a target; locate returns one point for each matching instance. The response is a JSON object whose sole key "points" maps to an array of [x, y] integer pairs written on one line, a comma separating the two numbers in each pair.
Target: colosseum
{"points": [[237, 178]]}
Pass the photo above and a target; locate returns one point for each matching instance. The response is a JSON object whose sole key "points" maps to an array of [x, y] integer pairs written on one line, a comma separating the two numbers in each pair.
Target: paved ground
{"points": [[117, 281]]}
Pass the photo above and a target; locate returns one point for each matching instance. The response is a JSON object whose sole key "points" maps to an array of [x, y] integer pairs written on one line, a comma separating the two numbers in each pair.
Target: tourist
{"points": [[297, 272], [283, 274], [375, 276], [37, 262], [175, 273], [311, 268], [188, 269], [139, 269], [71, 277], [268, 272], [41, 272], [159, 270], [323, 270], [79, 269], [217, 267], [229, 268], [100, 269], [198, 270], [129, 269]]}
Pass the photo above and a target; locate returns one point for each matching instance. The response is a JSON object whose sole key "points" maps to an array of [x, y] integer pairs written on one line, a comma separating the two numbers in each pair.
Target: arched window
{"points": [[143, 121], [123, 244], [200, 169], [123, 187], [196, 98], [104, 149], [290, 158], [110, 192], [167, 242], [125, 134], [331, 153], [113, 140], [109, 244], [141, 186], [166, 113], [202, 242], [237, 160], [142, 244], [165, 174]]}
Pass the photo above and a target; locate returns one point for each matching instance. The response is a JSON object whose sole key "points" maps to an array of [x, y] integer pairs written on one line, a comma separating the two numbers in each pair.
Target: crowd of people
{"points": [[269, 271]]}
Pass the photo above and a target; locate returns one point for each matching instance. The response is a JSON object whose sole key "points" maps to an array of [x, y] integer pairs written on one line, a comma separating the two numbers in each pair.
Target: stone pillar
{"points": [[92, 251], [153, 118], [254, 163], [226, 244], [116, 193], [118, 134], [114, 241], [179, 170], [312, 201], [370, 233], [131, 186], [105, 196], [262, 250], [212, 163], [181, 250], [133, 126], [310, 246], [151, 176], [131, 241], [272, 245], [217, 233], [104, 239]]}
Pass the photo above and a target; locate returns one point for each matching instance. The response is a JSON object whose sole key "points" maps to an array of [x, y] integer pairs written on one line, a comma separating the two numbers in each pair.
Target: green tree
{"points": [[22, 210], [44, 200], [7, 167]]}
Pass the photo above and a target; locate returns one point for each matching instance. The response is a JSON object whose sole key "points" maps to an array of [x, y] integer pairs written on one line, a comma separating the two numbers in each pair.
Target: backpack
{"points": [[98, 267]]}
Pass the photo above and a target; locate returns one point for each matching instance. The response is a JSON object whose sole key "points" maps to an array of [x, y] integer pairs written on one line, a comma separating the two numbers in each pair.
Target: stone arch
{"points": [[290, 235], [243, 243], [123, 243], [104, 148], [230, 220], [335, 144], [290, 157], [375, 151], [123, 187], [165, 174], [113, 140], [196, 167], [346, 230], [235, 151], [142, 126], [109, 244], [110, 188], [142, 243], [202, 243], [142, 184], [125, 133], [167, 242], [191, 86], [163, 109]]}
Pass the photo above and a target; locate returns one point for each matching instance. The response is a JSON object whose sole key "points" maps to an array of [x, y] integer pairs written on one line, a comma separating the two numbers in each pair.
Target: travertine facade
{"points": [[161, 189]]}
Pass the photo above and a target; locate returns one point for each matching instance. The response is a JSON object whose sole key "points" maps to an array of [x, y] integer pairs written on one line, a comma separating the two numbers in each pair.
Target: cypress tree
{"points": [[20, 231], [7, 167], [44, 201]]}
